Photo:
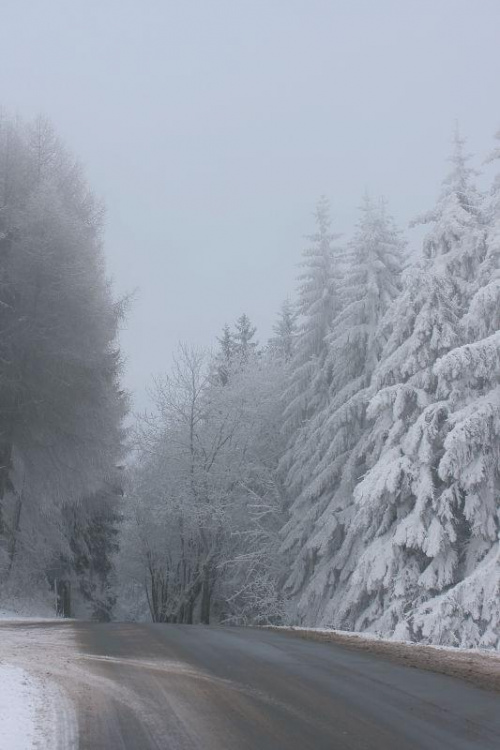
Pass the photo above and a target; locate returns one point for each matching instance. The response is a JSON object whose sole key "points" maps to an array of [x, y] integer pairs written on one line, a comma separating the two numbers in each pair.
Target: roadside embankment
{"points": [[478, 666]]}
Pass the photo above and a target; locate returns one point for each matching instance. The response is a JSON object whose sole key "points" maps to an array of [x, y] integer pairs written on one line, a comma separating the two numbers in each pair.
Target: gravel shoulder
{"points": [[479, 667]]}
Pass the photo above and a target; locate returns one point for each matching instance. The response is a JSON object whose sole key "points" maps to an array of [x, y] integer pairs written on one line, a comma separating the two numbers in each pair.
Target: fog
{"points": [[210, 128]]}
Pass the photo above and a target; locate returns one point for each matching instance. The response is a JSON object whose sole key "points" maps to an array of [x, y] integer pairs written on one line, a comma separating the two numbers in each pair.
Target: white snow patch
{"points": [[20, 700], [16, 617], [25, 609], [34, 715]]}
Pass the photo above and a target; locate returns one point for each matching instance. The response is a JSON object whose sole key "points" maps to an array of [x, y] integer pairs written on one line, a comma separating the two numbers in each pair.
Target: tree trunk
{"points": [[14, 531], [159, 595], [5, 468], [63, 598], [206, 596]]}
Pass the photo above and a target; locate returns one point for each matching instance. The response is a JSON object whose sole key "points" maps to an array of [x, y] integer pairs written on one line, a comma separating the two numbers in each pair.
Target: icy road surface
{"points": [[139, 687]]}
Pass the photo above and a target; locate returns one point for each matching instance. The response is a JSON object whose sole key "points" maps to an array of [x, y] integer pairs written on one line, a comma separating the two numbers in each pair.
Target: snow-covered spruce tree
{"points": [[224, 358], [307, 387], [308, 380], [61, 407], [372, 277], [467, 613], [236, 348], [245, 345], [282, 344], [404, 539]]}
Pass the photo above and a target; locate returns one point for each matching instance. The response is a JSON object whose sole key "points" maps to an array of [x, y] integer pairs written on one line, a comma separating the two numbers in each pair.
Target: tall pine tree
{"points": [[401, 546], [371, 282], [467, 612], [308, 381]]}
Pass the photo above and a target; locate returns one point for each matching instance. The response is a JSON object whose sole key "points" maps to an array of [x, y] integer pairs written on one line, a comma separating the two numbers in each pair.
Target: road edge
{"points": [[481, 668]]}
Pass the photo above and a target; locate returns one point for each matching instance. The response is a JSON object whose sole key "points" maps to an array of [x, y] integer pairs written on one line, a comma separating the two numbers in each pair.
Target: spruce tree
{"points": [[371, 282], [61, 405], [225, 355], [308, 381], [467, 612], [282, 344], [401, 546], [244, 343]]}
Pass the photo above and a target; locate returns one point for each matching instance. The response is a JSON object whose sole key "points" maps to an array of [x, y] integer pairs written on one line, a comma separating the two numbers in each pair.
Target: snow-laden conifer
{"points": [[224, 357], [307, 384], [372, 264], [307, 387], [468, 612], [282, 344], [401, 547], [245, 345], [61, 406]]}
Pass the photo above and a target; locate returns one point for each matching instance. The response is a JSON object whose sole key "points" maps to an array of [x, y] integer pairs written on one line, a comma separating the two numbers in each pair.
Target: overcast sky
{"points": [[211, 127]]}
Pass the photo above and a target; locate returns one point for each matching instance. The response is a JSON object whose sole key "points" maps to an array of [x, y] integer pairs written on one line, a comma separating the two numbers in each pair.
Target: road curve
{"points": [[172, 687]]}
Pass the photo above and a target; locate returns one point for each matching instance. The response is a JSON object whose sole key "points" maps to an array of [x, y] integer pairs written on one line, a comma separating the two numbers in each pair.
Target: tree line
{"points": [[346, 473], [61, 404]]}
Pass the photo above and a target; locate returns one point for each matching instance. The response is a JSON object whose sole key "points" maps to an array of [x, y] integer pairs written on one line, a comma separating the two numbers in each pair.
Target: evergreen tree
{"points": [[244, 344], [224, 358], [401, 547], [93, 536], [307, 387], [61, 406], [468, 612], [282, 344], [308, 381], [371, 282]]}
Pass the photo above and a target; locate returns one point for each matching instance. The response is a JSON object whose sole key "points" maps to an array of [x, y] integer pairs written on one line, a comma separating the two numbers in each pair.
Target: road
{"points": [[139, 687]]}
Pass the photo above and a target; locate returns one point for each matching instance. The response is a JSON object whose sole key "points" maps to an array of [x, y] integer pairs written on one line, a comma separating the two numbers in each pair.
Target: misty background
{"points": [[211, 128]]}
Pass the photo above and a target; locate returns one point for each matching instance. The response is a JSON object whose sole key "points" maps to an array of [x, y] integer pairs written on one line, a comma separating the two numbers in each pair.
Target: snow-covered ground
{"points": [[367, 636], [26, 609], [8, 614], [35, 712], [21, 702]]}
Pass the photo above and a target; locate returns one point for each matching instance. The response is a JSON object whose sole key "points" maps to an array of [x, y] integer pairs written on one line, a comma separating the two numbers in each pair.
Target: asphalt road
{"points": [[185, 688]]}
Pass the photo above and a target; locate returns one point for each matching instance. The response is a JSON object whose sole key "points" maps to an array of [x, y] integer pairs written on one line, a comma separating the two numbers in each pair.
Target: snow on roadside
{"points": [[478, 666], [367, 636], [20, 700], [33, 714], [25, 609], [33, 667], [57, 720], [7, 615]]}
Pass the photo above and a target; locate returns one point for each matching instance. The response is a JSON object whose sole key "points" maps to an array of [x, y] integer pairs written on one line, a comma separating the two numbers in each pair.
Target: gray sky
{"points": [[210, 128]]}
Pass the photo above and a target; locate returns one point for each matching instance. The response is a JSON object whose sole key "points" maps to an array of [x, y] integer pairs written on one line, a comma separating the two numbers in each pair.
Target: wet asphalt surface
{"points": [[174, 687]]}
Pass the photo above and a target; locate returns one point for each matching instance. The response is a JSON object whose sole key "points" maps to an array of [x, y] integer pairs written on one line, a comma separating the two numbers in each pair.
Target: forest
{"points": [[343, 474]]}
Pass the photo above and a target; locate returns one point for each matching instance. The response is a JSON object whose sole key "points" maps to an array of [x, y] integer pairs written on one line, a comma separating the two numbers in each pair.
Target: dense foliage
{"points": [[61, 408], [343, 474], [346, 474]]}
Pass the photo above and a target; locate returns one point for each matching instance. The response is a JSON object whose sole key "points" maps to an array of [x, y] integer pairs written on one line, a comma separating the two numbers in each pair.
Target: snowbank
{"points": [[368, 636], [35, 703], [20, 702], [7, 614], [34, 713], [25, 609]]}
